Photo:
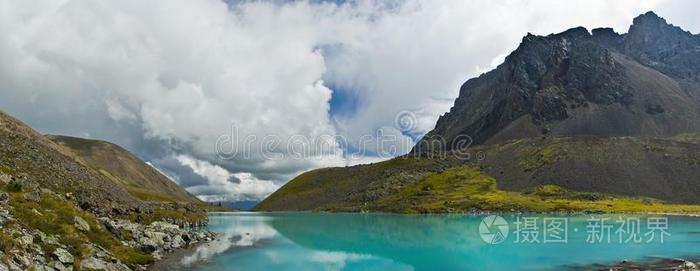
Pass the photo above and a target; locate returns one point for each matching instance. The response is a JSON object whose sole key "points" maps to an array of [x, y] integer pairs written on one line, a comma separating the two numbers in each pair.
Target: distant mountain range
{"points": [[244, 205], [570, 121]]}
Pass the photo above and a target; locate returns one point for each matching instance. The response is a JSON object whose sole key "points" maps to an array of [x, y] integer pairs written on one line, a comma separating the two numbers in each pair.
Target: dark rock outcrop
{"points": [[643, 83]]}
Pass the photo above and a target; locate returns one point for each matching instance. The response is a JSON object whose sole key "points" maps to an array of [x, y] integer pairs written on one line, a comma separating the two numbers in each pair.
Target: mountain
{"points": [[643, 83], [77, 204], [99, 176], [28, 155], [571, 121], [123, 168], [243, 205], [550, 174]]}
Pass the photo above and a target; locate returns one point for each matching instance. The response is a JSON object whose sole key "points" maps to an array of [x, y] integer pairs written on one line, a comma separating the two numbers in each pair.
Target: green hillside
{"points": [[122, 167], [554, 174]]}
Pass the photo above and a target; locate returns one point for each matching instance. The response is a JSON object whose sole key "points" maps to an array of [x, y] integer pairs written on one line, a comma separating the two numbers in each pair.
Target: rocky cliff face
{"points": [[643, 83]]}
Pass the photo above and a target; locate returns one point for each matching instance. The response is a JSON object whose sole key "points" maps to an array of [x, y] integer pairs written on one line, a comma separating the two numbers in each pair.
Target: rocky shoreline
{"points": [[157, 238], [670, 264], [41, 230]]}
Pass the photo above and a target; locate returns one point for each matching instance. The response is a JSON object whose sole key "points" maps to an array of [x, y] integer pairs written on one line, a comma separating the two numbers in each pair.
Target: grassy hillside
{"points": [[664, 169], [28, 155], [53, 217], [553, 174], [125, 187], [122, 167]]}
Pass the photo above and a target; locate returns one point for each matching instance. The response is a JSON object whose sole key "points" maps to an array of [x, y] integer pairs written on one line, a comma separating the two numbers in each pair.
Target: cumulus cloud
{"points": [[169, 79], [223, 185]]}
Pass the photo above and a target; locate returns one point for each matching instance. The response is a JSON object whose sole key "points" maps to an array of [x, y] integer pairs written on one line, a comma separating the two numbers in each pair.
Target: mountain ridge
{"points": [[64, 209], [581, 83], [101, 186], [118, 164], [29, 155], [574, 121], [590, 173]]}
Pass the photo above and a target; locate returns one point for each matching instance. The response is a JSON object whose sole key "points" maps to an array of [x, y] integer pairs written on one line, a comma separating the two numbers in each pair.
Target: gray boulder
{"points": [[4, 197], [164, 226], [60, 267], [177, 242], [110, 227], [153, 238], [81, 224], [687, 265], [50, 240], [147, 248], [21, 260], [40, 267], [93, 264], [25, 240], [63, 256], [39, 258], [157, 255]]}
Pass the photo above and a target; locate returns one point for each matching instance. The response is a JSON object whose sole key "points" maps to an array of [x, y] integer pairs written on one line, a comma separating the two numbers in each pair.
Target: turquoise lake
{"points": [[377, 241]]}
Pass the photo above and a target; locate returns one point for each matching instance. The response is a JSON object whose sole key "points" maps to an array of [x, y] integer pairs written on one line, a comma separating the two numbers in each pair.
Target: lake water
{"points": [[376, 241]]}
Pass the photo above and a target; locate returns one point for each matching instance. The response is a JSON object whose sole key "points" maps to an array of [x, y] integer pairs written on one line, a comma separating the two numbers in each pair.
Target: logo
{"points": [[405, 121], [493, 229]]}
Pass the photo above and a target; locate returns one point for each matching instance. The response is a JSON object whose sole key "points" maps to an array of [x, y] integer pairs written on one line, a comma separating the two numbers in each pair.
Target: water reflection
{"points": [[236, 233], [414, 240], [324, 241]]}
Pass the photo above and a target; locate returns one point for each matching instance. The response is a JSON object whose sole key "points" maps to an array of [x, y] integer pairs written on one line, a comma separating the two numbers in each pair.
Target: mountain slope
{"points": [[584, 173], [138, 178], [30, 157], [644, 83], [57, 212], [570, 121]]}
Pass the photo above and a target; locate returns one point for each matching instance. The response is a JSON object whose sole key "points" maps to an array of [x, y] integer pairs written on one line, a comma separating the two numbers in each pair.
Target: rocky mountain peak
{"points": [[649, 19], [663, 46], [606, 36], [643, 83], [576, 32], [649, 27]]}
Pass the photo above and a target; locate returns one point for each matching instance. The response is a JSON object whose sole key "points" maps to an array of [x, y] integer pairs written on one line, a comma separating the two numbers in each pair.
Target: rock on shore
{"points": [[653, 264], [157, 238]]}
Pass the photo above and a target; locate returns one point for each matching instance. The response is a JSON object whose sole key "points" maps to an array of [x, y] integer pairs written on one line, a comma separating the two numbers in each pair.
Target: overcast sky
{"points": [[168, 79]]}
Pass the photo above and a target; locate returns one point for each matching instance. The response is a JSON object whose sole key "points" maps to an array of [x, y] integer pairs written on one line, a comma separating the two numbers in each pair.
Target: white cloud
{"points": [[179, 73], [223, 185], [335, 260], [239, 234]]}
